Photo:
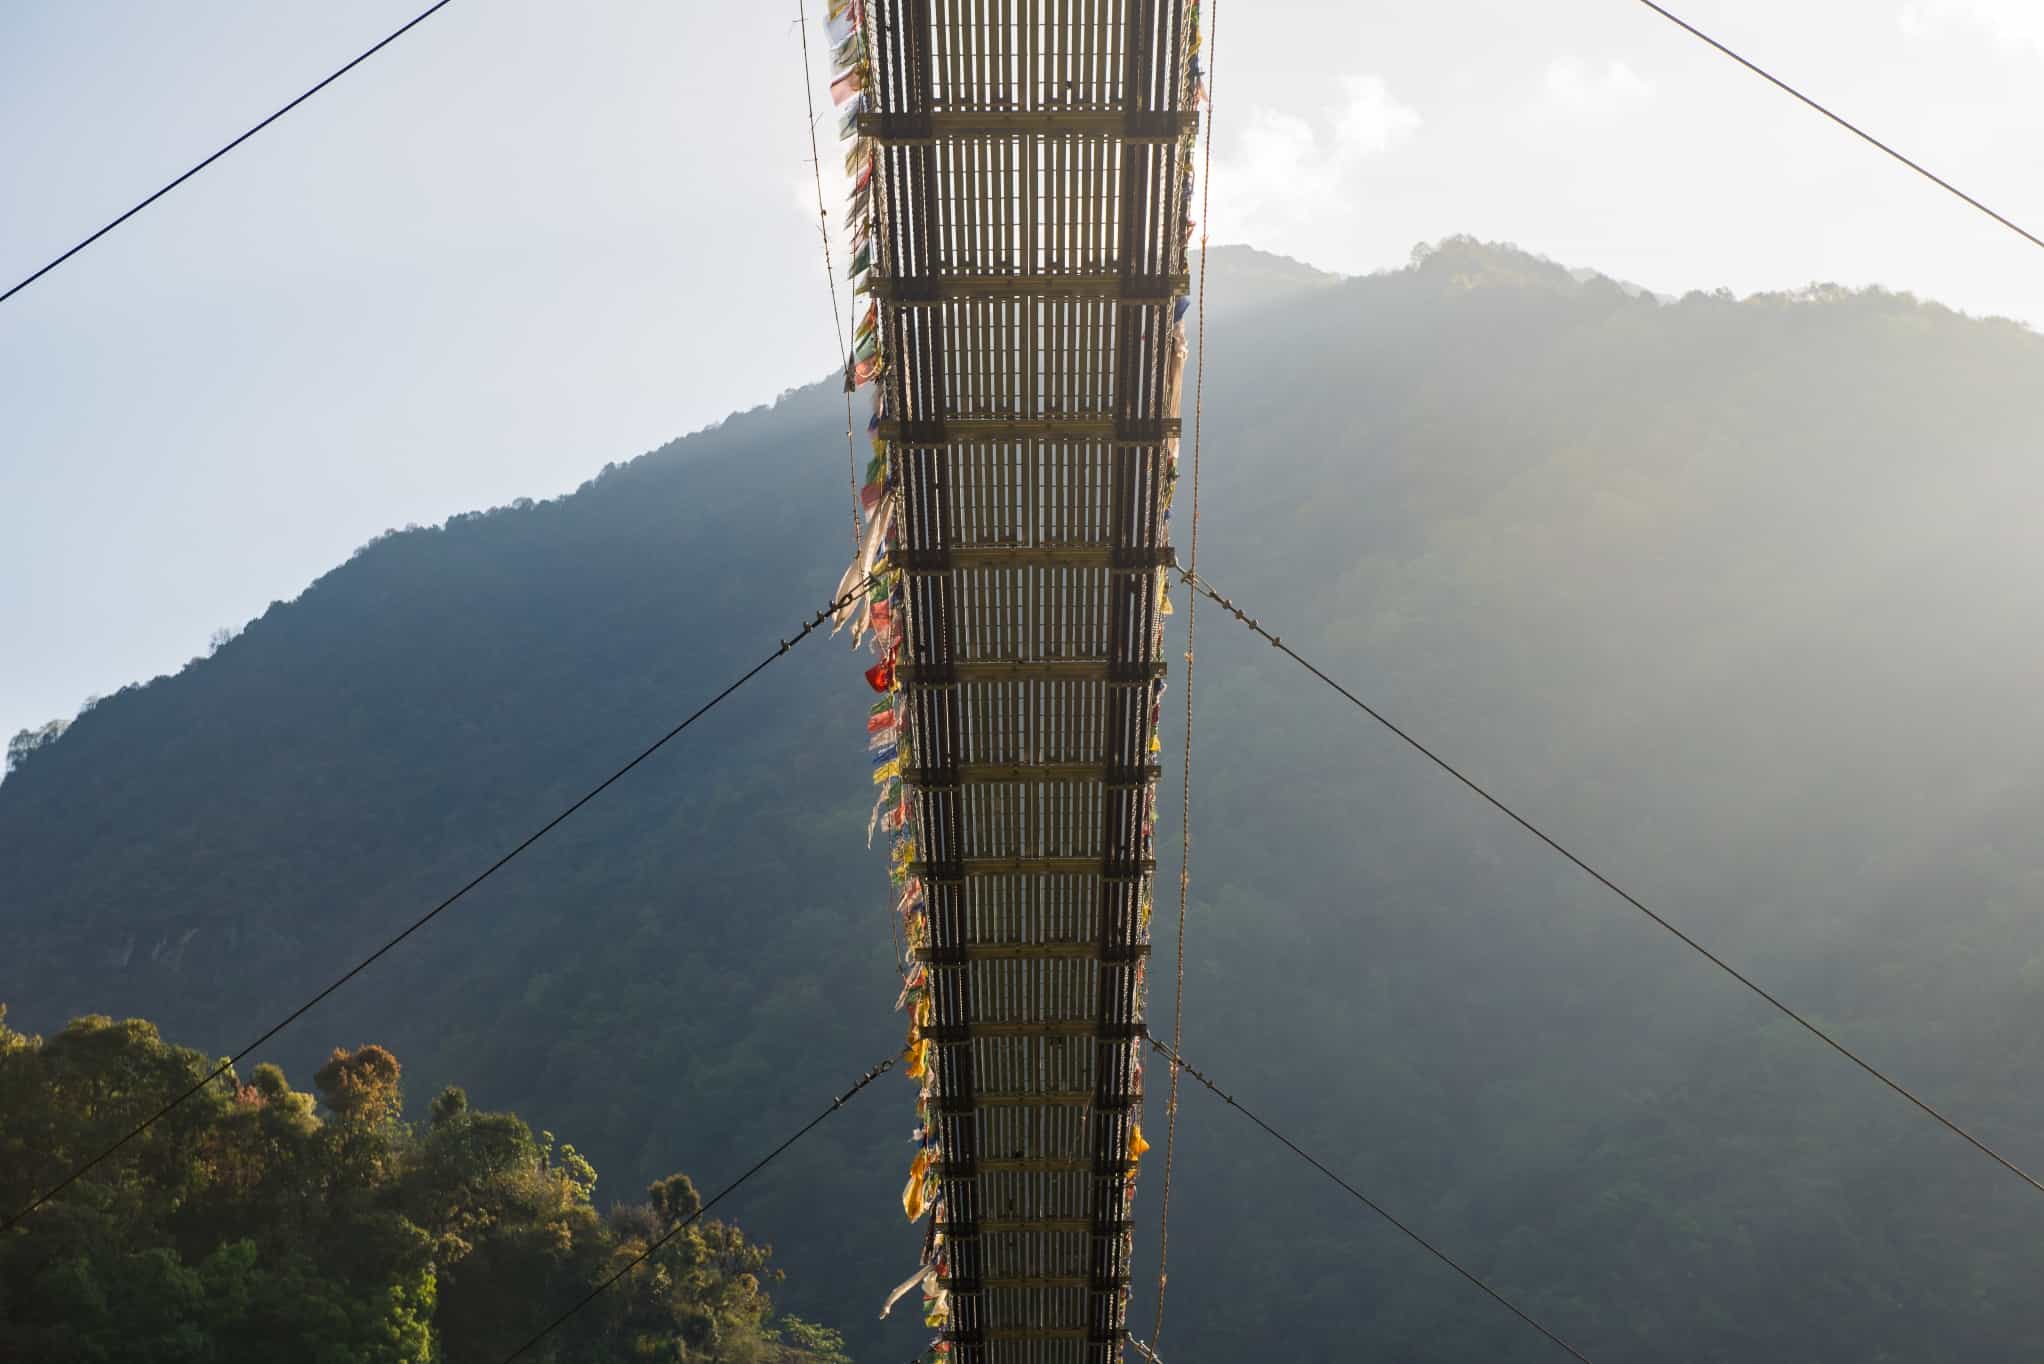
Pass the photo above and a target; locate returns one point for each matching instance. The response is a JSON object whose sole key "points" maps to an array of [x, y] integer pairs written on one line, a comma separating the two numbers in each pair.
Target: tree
{"points": [[241, 1229], [28, 741], [361, 1085]]}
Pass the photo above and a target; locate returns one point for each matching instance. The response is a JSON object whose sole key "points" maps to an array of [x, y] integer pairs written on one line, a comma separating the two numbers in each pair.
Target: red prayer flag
{"points": [[880, 677]]}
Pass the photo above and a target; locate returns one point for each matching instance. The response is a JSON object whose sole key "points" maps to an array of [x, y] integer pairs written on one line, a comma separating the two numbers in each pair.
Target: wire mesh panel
{"points": [[1026, 182]]}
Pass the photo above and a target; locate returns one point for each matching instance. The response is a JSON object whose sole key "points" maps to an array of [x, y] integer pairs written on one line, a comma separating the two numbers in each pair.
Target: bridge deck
{"points": [[1027, 219]]}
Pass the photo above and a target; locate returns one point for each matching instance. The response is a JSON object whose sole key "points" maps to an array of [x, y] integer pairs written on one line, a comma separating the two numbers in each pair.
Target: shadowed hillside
{"points": [[1740, 597]]}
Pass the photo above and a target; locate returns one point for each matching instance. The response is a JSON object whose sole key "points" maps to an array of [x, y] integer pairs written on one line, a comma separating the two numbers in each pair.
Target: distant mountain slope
{"points": [[1740, 596], [1241, 276]]}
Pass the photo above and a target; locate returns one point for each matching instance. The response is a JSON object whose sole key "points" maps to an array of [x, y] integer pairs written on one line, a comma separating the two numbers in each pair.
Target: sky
{"points": [[529, 239]]}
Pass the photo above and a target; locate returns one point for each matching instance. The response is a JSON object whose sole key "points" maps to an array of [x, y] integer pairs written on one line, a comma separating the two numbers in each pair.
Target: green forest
{"points": [[1741, 597], [258, 1223]]}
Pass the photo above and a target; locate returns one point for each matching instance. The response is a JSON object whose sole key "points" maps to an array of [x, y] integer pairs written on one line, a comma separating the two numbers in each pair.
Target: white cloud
{"points": [[1370, 121], [2009, 23], [1570, 88], [1285, 173]]}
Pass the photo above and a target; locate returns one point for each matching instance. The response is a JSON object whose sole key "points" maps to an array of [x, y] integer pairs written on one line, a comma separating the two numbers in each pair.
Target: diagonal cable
{"points": [[386, 41], [769, 1158], [1849, 126], [1179, 1063], [829, 268], [808, 627], [1601, 879]]}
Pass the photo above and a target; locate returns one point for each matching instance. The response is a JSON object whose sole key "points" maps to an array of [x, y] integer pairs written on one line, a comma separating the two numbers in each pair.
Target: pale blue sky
{"points": [[531, 238]]}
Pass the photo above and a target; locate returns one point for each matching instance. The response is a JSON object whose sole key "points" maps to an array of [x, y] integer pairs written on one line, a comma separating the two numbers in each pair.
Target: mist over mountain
{"points": [[1739, 598]]}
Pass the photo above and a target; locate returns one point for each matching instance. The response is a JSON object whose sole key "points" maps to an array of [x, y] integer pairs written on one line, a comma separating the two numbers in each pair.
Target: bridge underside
{"points": [[1026, 222]]}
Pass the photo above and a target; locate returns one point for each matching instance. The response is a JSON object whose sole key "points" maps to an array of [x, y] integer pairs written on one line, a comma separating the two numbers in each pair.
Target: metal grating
{"points": [[1028, 198]]}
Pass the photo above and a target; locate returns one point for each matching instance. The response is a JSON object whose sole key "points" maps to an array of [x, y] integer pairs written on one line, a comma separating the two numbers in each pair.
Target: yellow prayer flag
{"points": [[912, 1205]]}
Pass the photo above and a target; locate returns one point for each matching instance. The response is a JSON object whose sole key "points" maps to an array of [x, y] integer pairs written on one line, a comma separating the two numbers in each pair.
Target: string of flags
{"points": [[877, 620]]}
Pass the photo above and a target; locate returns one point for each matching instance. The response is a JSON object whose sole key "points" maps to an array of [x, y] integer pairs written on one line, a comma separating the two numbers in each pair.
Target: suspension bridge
{"points": [[1020, 227], [1020, 223]]}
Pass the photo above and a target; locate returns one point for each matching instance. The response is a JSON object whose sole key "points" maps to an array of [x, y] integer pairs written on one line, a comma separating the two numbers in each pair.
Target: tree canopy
{"points": [[257, 1223]]}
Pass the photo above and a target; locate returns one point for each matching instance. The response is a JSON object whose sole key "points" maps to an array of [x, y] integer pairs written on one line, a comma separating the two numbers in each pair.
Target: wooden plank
{"points": [[982, 1226], [1020, 951], [1051, 1027], [1034, 773], [1038, 1165], [974, 430], [904, 129], [1052, 669], [971, 868]]}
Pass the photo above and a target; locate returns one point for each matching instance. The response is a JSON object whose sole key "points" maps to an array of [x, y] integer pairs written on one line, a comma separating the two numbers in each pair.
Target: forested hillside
{"points": [[1740, 597], [256, 1223]]}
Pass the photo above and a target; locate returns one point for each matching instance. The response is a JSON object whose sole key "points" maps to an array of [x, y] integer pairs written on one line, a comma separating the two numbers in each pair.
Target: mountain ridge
{"points": [[1663, 573]]}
